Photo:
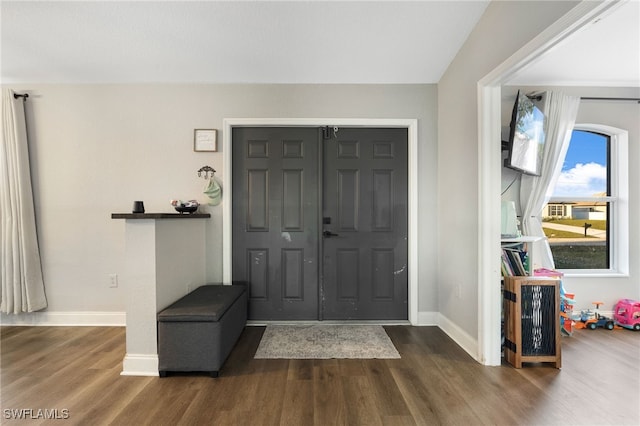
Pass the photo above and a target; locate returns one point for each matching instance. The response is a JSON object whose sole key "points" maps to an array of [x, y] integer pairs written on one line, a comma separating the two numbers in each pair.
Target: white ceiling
{"points": [[604, 53], [284, 42], [233, 41]]}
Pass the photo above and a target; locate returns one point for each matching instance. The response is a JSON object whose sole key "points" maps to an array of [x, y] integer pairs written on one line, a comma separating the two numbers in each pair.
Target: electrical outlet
{"points": [[113, 280]]}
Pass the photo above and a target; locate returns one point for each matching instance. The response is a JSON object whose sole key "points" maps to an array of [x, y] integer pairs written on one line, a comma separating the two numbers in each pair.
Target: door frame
{"points": [[489, 167], [412, 185]]}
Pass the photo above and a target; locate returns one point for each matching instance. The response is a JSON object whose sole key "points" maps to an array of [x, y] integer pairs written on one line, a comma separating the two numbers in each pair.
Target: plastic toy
{"points": [[566, 312], [626, 314], [593, 319]]}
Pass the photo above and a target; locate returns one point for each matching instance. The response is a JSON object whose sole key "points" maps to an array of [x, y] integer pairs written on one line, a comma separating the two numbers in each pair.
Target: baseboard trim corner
{"points": [[461, 337], [140, 365]]}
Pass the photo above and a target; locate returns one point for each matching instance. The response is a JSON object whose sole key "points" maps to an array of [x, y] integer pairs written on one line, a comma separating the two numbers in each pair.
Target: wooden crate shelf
{"points": [[532, 320]]}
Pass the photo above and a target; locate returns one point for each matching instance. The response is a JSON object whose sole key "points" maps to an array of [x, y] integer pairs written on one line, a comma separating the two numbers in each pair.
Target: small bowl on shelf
{"points": [[186, 209]]}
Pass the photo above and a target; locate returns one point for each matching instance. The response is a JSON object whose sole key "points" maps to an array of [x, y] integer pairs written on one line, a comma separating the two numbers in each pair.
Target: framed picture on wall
{"points": [[205, 140]]}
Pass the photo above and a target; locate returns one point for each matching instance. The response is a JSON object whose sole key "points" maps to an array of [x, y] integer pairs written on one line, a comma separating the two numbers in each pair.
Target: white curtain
{"points": [[22, 283], [560, 111]]}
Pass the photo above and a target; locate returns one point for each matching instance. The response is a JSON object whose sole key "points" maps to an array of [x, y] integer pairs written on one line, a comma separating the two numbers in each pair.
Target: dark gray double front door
{"points": [[320, 222]]}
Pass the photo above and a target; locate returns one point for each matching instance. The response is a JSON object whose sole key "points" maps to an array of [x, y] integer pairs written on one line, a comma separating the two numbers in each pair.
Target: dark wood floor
{"points": [[76, 371]]}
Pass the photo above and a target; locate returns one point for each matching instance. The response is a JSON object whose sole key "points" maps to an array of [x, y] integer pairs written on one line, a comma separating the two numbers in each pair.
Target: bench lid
{"points": [[205, 304]]}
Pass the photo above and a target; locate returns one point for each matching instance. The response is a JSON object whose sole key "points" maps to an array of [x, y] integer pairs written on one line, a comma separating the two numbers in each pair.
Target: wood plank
{"points": [[389, 401], [297, 407], [329, 402], [360, 401]]}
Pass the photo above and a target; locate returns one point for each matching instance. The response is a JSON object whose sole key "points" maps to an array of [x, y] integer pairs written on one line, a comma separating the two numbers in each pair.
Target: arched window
{"points": [[586, 219]]}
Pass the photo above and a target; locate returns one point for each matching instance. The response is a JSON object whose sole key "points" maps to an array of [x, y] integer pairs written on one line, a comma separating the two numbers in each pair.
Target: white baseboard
{"points": [[461, 337], [46, 318], [140, 365], [147, 365]]}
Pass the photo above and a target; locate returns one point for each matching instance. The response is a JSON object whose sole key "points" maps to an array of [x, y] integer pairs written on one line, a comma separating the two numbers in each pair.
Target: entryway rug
{"points": [[325, 342]]}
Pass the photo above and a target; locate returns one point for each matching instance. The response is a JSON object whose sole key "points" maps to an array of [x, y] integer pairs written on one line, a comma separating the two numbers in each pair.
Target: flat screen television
{"points": [[526, 137]]}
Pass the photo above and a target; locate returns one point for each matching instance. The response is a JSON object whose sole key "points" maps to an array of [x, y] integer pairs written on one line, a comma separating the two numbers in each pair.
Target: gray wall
{"points": [[97, 148], [504, 28]]}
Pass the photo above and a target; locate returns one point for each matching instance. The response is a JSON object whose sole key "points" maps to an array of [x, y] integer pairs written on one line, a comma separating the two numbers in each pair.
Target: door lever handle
{"points": [[329, 234]]}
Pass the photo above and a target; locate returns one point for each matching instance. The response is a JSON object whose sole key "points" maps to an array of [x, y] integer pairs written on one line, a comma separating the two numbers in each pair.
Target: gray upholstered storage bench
{"points": [[197, 332]]}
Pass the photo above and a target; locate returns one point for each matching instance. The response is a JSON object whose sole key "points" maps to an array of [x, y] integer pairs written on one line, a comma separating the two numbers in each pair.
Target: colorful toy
{"points": [[593, 319], [566, 312], [626, 314]]}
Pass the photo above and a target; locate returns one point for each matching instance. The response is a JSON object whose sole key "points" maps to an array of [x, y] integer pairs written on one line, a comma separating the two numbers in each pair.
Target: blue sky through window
{"points": [[584, 172]]}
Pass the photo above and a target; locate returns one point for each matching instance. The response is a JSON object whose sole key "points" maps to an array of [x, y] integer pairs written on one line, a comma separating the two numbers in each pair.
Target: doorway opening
{"points": [[489, 169]]}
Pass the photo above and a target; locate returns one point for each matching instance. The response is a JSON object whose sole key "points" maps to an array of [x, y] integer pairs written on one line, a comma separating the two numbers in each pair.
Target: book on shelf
{"points": [[515, 262]]}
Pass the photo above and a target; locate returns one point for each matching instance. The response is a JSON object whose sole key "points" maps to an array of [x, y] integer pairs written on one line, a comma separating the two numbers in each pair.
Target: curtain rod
{"points": [[23, 96], [609, 99], [538, 97]]}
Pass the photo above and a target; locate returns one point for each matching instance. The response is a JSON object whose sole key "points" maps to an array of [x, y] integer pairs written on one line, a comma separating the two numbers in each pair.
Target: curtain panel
{"points": [[560, 111], [21, 270]]}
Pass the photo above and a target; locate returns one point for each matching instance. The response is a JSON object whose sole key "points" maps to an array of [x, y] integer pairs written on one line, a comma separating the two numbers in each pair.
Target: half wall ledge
{"points": [[160, 216], [165, 258]]}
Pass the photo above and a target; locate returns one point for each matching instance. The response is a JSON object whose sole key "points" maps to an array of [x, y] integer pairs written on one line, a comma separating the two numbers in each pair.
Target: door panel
{"points": [[275, 220], [283, 178], [365, 243]]}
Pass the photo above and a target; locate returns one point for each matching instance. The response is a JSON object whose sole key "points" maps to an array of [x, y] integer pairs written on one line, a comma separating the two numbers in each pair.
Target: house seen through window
{"points": [[577, 219]]}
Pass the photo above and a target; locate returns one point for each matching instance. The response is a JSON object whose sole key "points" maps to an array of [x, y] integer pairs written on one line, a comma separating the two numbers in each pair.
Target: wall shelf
{"points": [[526, 242]]}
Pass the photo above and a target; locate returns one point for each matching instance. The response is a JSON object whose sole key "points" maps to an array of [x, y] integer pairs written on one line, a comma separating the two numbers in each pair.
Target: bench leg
{"points": [[214, 374], [162, 373]]}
